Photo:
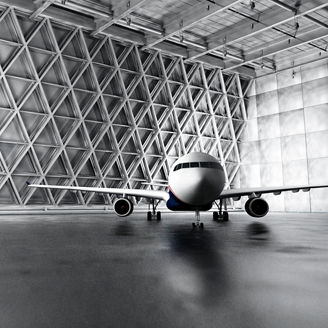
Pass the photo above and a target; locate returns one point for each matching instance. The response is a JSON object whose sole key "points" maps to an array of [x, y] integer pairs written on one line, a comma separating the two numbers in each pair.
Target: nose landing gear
{"points": [[198, 224]]}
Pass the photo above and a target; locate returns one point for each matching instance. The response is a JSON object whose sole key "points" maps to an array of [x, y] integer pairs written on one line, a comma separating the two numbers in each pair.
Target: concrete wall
{"points": [[286, 139]]}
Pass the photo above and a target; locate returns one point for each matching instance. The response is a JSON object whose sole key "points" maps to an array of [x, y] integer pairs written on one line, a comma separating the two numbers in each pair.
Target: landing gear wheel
{"points": [[215, 216], [225, 216], [201, 226], [194, 225], [158, 216], [149, 216]]}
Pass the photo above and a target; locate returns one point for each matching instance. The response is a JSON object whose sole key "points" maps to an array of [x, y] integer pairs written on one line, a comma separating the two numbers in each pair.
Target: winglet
{"points": [[28, 183]]}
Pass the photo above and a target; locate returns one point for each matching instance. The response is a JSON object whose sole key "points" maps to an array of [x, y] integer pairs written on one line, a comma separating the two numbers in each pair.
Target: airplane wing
{"points": [[152, 194], [237, 193]]}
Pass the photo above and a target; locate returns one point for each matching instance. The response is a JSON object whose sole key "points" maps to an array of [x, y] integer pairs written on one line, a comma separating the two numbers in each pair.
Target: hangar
{"points": [[110, 94]]}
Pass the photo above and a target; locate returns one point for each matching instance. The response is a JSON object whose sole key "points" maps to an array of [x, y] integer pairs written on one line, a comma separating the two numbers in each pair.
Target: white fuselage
{"points": [[197, 179]]}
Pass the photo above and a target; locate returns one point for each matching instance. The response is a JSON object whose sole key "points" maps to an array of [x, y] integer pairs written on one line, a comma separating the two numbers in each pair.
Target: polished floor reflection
{"points": [[101, 271]]}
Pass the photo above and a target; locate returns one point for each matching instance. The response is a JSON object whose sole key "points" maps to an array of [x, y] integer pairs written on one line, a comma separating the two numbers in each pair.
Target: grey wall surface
{"points": [[93, 111], [286, 139]]}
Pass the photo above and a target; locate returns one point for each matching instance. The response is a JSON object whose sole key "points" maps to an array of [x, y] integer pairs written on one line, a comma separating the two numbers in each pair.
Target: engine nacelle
{"points": [[256, 207], [123, 207]]}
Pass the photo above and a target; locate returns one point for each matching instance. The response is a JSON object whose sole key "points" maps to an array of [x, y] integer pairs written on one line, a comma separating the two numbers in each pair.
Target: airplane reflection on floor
{"points": [[258, 231], [124, 228], [197, 267]]}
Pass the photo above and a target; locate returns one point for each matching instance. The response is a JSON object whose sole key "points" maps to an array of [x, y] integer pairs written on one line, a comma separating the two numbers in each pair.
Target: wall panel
{"points": [[290, 139]]}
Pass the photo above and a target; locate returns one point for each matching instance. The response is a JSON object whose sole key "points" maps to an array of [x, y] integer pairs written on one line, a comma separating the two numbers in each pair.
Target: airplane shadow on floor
{"points": [[201, 251], [124, 228], [258, 231]]}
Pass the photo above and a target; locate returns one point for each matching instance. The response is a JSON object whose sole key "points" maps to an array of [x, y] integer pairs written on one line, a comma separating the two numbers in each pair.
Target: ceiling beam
{"points": [[281, 39], [187, 17], [24, 5], [315, 57], [68, 17], [279, 47], [120, 10], [246, 28], [208, 60], [217, 62], [97, 9], [288, 7], [120, 33], [301, 58], [41, 6]]}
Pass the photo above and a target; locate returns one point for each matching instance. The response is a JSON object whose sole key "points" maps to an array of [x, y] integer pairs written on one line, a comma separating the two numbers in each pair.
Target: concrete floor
{"points": [[101, 271]]}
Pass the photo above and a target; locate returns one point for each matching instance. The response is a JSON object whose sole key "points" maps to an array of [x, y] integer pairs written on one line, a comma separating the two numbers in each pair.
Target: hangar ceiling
{"points": [[236, 35]]}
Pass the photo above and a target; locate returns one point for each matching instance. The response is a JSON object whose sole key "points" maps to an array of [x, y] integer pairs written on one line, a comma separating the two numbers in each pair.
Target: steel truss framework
{"points": [[82, 110]]}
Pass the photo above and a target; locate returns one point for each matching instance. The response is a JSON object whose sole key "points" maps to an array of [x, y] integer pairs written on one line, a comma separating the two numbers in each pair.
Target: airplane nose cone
{"points": [[198, 187], [202, 190]]}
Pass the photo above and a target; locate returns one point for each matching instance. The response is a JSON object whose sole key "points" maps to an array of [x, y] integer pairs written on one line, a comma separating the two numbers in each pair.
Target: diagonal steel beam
{"points": [[154, 135], [29, 62], [246, 28], [128, 174], [188, 17], [91, 151], [280, 47], [97, 168], [191, 101], [229, 114], [120, 10], [51, 113], [211, 110]]}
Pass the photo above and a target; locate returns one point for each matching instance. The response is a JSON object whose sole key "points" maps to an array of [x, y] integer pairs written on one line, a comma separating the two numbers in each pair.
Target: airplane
{"points": [[196, 181]]}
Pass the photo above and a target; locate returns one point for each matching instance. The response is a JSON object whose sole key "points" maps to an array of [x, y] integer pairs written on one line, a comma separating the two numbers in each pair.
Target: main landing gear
{"points": [[224, 215], [154, 214]]}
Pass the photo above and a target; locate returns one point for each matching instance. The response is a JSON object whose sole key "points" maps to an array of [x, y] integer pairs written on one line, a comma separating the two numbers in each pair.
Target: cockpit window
{"points": [[178, 167], [210, 165]]}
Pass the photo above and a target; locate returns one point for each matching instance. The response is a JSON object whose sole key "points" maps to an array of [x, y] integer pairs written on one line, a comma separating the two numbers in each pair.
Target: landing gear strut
{"points": [[198, 224], [154, 214], [224, 215]]}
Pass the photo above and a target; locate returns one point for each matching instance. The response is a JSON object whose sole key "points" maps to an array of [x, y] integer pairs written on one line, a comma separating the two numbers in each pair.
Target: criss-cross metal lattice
{"points": [[77, 109]]}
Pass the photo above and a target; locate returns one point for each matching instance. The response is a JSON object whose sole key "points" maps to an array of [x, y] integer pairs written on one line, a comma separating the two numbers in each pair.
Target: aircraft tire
{"points": [[158, 216], [201, 226], [149, 216], [225, 216], [215, 216]]}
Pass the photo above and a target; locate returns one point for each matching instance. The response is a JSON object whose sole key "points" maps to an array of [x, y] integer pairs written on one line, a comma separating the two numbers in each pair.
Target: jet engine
{"points": [[256, 207], [123, 207]]}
